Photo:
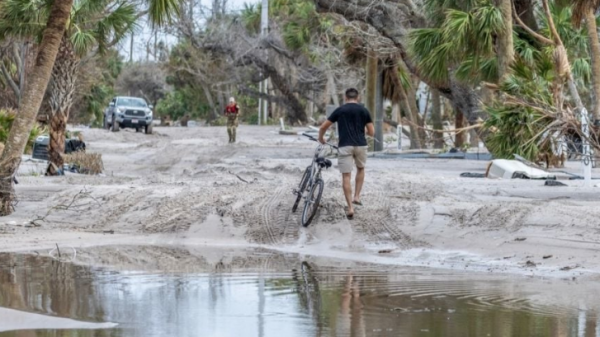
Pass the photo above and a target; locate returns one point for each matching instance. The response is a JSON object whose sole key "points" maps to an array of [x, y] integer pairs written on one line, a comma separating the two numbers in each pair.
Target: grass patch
{"points": [[86, 163]]}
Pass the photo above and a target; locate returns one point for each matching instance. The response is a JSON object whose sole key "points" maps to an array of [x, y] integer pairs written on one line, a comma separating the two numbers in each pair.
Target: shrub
{"points": [[6, 119]]}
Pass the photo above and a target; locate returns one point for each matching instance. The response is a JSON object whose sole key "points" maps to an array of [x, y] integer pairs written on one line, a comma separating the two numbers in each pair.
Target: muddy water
{"points": [[151, 291]]}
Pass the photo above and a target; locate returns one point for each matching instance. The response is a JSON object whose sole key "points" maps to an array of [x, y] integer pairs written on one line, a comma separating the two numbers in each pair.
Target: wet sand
{"points": [[189, 187], [11, 320]]}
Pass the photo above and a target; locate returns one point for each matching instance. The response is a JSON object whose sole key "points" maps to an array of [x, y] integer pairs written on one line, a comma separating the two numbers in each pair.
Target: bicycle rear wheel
{"points": [[301, 188], [311, 204]]}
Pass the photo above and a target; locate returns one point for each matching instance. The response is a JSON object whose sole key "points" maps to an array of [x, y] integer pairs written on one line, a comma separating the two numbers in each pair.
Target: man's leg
{"points": [[360, 157], [345, 164], [347, 184], [229, 132], [233, 132], [360, 179]]}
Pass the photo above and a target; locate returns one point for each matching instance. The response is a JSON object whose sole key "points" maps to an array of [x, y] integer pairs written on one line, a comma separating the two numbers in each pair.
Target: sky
{"points": [[142, 37]]}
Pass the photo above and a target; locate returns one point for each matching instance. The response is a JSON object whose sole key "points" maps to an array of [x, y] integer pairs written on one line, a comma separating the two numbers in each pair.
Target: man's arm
{"points": [[370, 130], [323, 129]]}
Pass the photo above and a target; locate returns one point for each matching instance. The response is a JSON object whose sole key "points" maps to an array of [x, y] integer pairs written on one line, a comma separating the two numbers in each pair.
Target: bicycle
{"points": [[312, 182]]}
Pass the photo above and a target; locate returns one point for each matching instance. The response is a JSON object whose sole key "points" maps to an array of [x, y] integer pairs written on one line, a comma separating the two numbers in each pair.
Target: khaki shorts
{"points": [[351, 155]]}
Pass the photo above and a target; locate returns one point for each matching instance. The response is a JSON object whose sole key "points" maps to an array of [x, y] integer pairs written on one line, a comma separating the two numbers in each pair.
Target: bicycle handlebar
{"points": [[316, 140]]}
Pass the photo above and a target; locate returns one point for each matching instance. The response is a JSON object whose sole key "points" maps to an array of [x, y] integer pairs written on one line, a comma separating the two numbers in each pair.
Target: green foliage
{"points": [[574, 39], [516, 130], [6, 120], [162, 12], [97, 100], [463, 41], [102, 90], [174, 104], [251, 17], [92, 22], [251, 118], [183, 101], [518, 125]]}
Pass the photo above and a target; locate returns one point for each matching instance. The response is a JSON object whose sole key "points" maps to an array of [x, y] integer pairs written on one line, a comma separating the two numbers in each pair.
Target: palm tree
{"points": [[160, 12], [92, 24], [32, 100], [505, 51], [583, 10], [534, 110]]}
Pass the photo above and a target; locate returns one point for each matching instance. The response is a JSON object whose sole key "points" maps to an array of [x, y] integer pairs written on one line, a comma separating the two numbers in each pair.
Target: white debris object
{"points": [[506, 169]]}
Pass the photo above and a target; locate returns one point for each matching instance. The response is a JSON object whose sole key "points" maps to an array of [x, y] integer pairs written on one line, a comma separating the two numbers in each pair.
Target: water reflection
{"points": [[258, 293]]}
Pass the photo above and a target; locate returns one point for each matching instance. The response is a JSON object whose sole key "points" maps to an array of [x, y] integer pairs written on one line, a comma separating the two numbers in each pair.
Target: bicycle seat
{"points": [[324, 162]]}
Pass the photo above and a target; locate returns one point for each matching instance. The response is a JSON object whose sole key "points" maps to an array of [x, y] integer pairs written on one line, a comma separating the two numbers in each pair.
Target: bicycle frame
{"points": [[315, 170]]}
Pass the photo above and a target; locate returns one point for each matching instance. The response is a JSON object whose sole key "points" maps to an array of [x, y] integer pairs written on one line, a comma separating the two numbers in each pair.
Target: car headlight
{"points": [[149, 113], [120, 111]]}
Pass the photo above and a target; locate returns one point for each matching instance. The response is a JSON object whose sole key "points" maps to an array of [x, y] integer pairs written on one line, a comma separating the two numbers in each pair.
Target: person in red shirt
{"points": [[232, 110]]}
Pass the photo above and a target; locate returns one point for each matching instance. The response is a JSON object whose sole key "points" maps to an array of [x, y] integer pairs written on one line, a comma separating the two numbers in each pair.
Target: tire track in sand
{"points": [[379, 226], [268, 212]]}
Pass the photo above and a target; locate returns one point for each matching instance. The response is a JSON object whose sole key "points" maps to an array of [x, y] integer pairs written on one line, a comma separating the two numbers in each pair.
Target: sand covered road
{"points": [[187, 186]]}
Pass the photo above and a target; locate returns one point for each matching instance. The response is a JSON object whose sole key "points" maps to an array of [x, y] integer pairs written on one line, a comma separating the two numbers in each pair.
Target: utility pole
{"points": [[586, 158], [131, 50], [260, 102], [378, 146], [264, 31]]}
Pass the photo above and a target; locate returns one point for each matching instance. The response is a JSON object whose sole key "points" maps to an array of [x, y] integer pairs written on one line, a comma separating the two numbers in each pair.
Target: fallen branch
{"points": [[65, 207], [240, 178], [467, 128]]}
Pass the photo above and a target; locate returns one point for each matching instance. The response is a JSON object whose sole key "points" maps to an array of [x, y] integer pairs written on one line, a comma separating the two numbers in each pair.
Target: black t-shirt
{"points": [[352, 119]]}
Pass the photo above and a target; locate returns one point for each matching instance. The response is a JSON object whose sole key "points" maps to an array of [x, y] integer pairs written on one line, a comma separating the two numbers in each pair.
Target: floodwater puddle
{"points": [[174, 291]]}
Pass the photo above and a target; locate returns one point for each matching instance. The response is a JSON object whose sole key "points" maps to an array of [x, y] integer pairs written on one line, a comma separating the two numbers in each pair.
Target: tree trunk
{"points": [[436, 117], [56, 147], [32, 100], [62, 88], [378, 145], [526, 11], [409, 105], [505, 48], [332, 87], [590, 21], [416, 117], [394, 20], [372, 75], [415, 140], [473, 138], [396, 110], [215, 110], [459, 123]]}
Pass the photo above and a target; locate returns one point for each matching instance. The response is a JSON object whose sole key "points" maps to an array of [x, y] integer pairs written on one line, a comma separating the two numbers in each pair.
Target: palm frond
{"points": [[162, 12], [582, 69], [23, 18], [82, 40], [475, 71], [458, 27], [251, 17], [113, 27]]}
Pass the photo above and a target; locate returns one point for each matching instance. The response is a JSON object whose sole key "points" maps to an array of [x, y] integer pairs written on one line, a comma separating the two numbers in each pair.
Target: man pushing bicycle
{"points": [[352, 119]]}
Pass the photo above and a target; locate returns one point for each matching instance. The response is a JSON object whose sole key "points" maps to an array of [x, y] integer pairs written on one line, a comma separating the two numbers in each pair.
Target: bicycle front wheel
{"points": [[311, 204], [301, 188]]}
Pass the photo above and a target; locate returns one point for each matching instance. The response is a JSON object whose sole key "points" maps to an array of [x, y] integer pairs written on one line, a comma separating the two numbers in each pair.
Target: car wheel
{"points": [[106, 124], [137, 130], [148, 129], [115, 124]]}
